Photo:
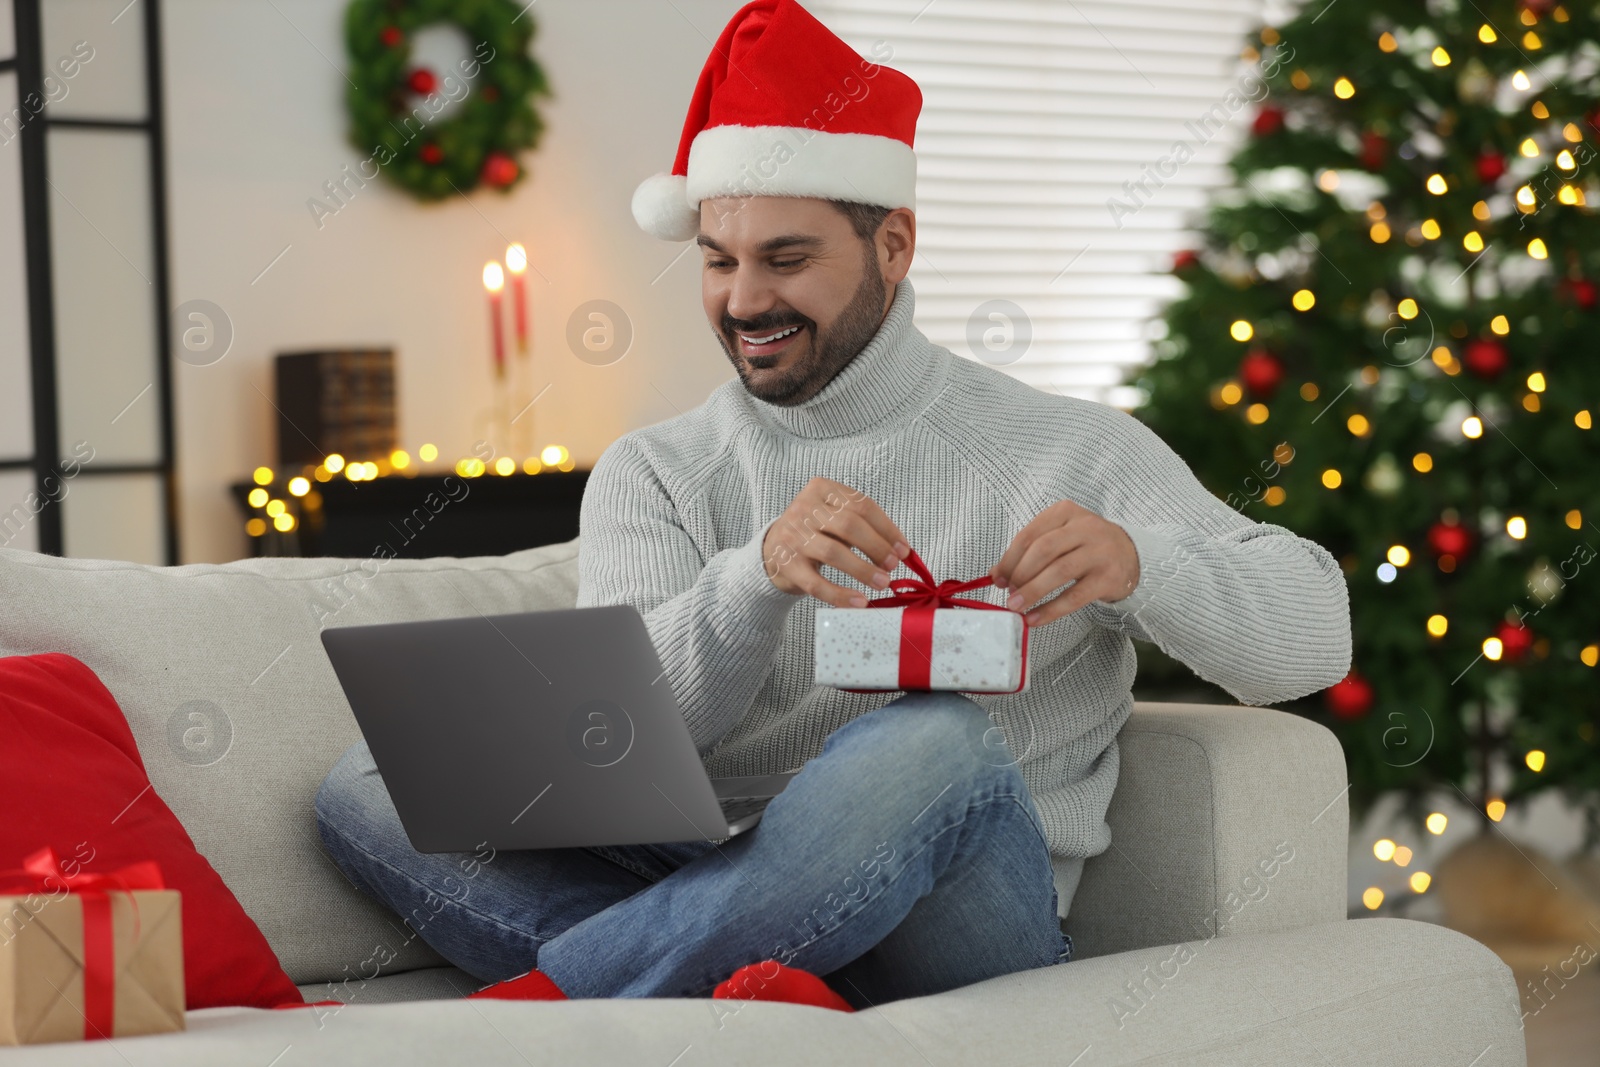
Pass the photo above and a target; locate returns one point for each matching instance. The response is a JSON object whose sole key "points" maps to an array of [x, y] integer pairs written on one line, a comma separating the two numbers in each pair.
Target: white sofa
{"points": [[1212, 932]]}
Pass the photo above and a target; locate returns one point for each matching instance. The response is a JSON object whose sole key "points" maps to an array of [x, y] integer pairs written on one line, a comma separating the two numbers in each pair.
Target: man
{"points": [[916, 850]]}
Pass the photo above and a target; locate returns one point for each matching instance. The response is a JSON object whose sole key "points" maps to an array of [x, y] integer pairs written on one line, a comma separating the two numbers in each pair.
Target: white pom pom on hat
{"points": [[661, 207], [824, 122]]}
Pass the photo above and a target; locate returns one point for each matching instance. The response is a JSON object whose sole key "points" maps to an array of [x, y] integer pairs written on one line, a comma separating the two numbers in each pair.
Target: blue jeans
{"points": [[905, 859]]}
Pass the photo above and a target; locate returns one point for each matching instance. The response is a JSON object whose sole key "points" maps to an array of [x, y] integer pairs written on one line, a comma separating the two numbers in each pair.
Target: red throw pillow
{"points": [[71, 778]]}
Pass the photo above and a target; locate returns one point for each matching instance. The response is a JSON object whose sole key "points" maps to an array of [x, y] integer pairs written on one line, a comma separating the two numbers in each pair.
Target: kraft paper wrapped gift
{"points": [[83, 958], [923, 637]]}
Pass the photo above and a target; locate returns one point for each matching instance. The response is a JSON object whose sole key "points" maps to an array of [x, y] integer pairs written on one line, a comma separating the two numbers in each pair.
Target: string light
{"points": [[1535, 761], [1372, 898], [1383, 849], [1495, 809], [1436, 823], [1420, 881], [334, 463], [429, 453], [263, 475], [258, 497], [299, 486]]}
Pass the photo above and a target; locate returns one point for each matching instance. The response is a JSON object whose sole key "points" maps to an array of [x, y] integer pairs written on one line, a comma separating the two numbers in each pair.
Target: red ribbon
{"points": [[921, 597], [99, 952]]}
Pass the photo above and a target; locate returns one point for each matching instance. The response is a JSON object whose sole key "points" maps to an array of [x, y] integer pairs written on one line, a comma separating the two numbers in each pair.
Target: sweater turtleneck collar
{"points": [[894, 376]]}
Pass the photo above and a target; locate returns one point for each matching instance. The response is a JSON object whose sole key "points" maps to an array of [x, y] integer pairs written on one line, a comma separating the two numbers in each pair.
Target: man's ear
{"points": [[897, 243]]}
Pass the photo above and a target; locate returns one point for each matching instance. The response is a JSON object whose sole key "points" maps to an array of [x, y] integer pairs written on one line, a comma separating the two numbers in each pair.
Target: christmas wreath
{"points": [[393, 104]]}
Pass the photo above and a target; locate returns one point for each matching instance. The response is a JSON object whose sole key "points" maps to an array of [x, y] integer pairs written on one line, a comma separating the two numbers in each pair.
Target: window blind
{"points": [[1037, 114]]}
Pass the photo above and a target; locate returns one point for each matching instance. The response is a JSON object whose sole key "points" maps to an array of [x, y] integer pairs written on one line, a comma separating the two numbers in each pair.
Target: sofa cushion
{"points": [[238, 715], [71, 779]]}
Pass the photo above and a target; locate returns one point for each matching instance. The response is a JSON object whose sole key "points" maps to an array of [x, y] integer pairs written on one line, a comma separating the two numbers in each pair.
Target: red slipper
{"points": [[530, 986], [771, 980]]}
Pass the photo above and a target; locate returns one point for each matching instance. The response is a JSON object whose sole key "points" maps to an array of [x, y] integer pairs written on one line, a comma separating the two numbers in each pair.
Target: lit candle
{"points": [[517, 264], [494, 279]]}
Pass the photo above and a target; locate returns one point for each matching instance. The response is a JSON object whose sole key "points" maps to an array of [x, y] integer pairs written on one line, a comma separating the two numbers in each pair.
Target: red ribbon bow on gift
{"points": [[921, 597], [37, 873]]}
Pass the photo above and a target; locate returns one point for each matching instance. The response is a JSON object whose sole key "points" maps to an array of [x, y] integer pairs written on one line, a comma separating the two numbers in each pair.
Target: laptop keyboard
{"points": [[736, 808]]}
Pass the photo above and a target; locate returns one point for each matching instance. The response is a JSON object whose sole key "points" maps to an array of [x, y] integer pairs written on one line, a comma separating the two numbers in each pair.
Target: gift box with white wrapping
{"points": [[972, 651]]}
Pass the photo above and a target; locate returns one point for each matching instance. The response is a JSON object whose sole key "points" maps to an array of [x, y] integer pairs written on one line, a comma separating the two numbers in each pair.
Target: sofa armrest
{"points": [[1225, 820]]}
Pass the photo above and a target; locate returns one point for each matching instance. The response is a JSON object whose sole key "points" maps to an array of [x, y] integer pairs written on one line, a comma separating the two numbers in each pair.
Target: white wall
{"points": [[256, 124]]}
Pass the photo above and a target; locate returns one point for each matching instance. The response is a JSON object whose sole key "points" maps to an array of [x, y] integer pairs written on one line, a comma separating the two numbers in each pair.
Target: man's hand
{"points": [[824, 522], [1067, 543]]}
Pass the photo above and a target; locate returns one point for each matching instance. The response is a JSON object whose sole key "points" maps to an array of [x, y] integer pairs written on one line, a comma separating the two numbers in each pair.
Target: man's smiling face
{"points": [[791, 292]]}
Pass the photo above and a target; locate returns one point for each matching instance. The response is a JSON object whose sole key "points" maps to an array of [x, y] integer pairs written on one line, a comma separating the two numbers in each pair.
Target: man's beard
{"points": [[830, 354]]}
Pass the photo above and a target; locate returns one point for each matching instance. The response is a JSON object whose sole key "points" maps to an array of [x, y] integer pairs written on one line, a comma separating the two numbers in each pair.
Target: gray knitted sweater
{"points": [[960, 456]]}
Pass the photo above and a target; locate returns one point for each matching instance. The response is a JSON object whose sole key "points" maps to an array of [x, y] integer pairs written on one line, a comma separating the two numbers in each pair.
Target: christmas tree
{"points": [[1383, 346]]}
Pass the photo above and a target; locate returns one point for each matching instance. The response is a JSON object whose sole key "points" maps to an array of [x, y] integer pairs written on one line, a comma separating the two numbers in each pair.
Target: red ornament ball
{"points": [[390, 36], [1183, 259], [1449, 539], [1269, 120], [1581, 291], [1350, 697], [430, 154], [499, 170], [1374, 150], [422, 81], [1491, 165], [490, 94], [1485, 357], [1515, 641], [1261, 372]]}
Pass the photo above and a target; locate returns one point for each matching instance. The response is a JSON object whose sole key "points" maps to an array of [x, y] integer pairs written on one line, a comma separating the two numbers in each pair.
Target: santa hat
{"points": [[784, 107]]}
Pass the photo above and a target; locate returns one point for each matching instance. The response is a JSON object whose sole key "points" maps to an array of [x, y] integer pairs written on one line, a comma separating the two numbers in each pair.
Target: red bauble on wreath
{"points": [[1449, 539], [499, 170], [1261, 372], [1350, 697], [1485, 357], [422, 81], [1183, 259]]}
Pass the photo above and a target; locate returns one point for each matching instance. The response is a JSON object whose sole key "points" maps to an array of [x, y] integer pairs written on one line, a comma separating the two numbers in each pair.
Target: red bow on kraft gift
{"points": [[921, 597], [41, 872]]}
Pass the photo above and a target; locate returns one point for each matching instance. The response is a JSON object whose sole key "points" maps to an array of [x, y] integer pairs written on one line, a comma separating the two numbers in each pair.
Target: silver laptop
{"points": [[546, 729]]}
